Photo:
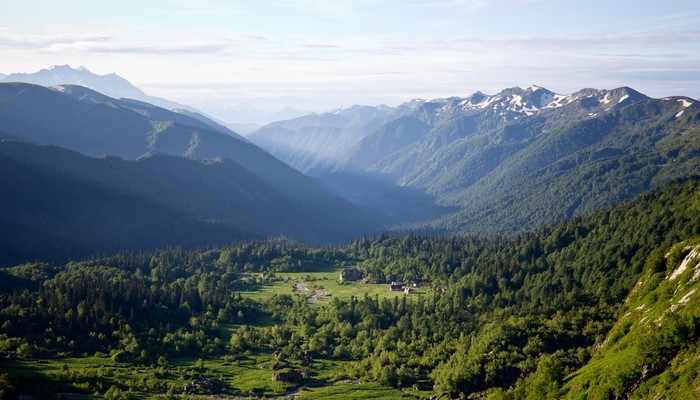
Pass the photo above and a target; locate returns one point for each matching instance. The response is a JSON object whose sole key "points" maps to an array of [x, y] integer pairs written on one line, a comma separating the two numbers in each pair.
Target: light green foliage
{"points": [[658, 329]]}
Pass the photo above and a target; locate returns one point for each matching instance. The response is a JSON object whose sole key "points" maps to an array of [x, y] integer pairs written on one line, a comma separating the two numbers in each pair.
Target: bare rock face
{"points": [[290, 376]]}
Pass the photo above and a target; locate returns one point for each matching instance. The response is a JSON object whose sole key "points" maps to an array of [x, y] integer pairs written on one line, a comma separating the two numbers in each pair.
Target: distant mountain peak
{"points": [[61, 77], [111, 85], [66, 67]]}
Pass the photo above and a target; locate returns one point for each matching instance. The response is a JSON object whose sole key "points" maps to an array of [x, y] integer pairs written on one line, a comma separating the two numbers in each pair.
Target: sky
{"points": [[317, 55]]}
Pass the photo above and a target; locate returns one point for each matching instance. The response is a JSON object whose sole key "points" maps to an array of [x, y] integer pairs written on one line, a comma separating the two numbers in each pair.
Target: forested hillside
{"points": [[145, 177], [58, 204], [522, 317], [93, 124]]}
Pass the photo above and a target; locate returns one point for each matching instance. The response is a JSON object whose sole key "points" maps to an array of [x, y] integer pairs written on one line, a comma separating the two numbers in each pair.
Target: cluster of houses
{"points": [[396, 287], [353, 275]]}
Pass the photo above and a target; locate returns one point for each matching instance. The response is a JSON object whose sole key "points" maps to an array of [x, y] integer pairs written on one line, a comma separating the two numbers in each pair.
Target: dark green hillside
{"points": [[540, 315], [57, 204], [44, 116], [93, 124]]}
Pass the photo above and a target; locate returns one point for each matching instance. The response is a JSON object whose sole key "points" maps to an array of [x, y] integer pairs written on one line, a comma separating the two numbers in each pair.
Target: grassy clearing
{"points": [[284, 282]]}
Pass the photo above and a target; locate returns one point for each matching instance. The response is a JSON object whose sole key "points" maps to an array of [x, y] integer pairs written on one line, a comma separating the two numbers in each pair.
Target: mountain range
{"points": [[110, 85], [494, 164], [241, 118], [163, 178], [481, 164]]}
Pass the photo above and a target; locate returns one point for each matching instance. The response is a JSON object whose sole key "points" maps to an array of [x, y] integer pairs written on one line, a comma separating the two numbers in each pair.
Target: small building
{"points": [[395, 287], [350, 275]]}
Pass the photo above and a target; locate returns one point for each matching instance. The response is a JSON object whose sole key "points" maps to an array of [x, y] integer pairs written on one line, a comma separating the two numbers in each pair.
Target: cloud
{"points": [[30, 41], [114, 48], [101, 43], [651, 43]]}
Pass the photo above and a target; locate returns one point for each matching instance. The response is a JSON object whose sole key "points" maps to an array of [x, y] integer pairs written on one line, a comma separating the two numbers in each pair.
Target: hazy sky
{"points": [[317, 54]]}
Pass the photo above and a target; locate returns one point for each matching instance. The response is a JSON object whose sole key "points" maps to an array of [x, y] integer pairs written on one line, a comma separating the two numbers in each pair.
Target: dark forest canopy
{"points": [[504, 312]]}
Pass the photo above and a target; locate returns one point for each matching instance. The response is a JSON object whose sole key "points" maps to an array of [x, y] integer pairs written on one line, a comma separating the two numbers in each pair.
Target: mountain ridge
{"points": [[94, 124], [461, 159], [74, 118], [111, 85]]}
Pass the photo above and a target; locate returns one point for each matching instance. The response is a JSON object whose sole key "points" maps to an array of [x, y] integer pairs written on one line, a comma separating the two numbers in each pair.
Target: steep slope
{"points": [[652, 350], [57, 204], [93, 124], [573, 169], [389, 138], [503, 123], [316, 142]]}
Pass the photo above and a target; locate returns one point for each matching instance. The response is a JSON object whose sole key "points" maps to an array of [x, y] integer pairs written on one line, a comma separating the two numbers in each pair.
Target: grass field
{"points": [[284, 283]]}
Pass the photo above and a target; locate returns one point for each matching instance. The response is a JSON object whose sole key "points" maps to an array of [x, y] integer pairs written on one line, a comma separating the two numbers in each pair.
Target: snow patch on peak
{"points": [[623, 98], [477, 101], [558, 100], [685, 103], [517, 100]]}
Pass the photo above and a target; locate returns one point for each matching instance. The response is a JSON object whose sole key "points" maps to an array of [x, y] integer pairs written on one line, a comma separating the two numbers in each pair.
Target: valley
{"points": [[521, 245], [539, 314]]}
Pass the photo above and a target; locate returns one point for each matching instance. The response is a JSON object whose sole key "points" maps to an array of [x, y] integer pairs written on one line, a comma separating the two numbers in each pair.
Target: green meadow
{"points": [[326, 281]]}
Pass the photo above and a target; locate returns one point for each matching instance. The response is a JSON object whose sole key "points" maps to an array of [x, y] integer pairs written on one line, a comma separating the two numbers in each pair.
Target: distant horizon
{"points": [[316, 55], [302, 112]]}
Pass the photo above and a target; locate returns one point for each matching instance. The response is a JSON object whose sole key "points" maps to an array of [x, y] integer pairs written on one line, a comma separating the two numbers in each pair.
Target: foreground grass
{"points": [[349, 390], [91, 377]]}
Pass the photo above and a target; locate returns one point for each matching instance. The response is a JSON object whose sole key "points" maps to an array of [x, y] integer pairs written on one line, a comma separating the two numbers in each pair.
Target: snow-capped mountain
{"points": [[494, 156], [514, 103], [327, 141]]}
